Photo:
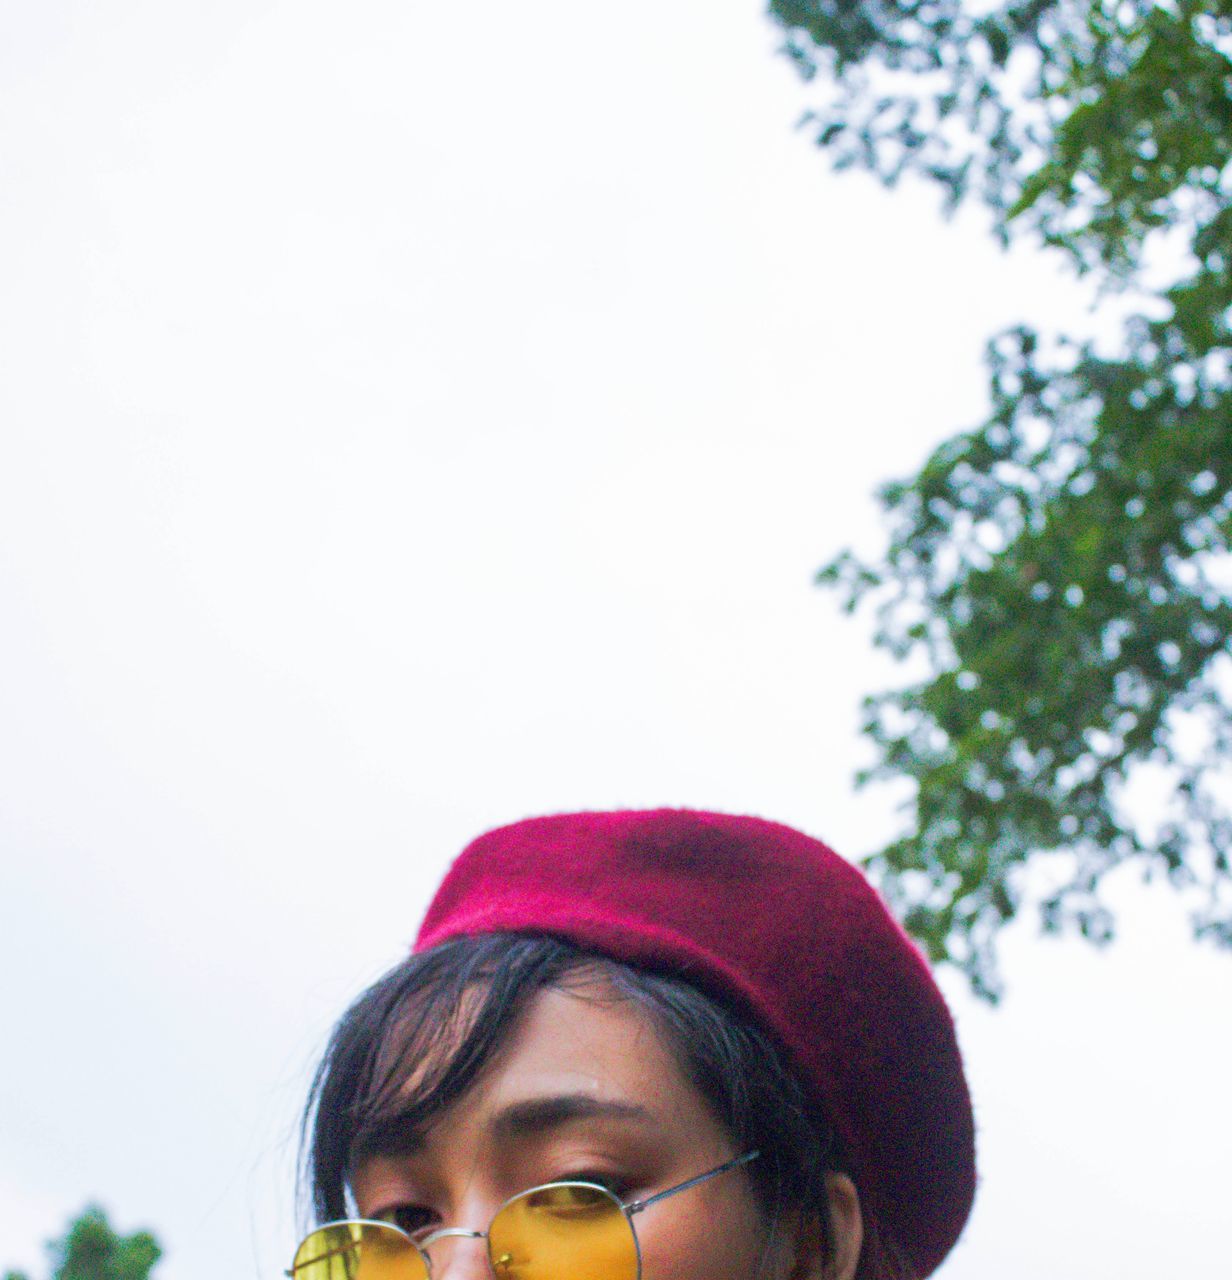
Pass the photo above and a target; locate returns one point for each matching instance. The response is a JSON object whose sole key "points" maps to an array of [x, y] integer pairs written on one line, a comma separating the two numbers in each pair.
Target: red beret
{"points": [[796, 935]]}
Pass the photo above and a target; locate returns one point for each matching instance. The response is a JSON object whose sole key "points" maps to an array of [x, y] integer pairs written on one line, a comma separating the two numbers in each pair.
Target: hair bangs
{"points": [[410, 1046]]}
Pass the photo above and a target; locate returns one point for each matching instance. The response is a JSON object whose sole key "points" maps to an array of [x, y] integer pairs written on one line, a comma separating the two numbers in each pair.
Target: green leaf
{"points": [[91, 1249]]}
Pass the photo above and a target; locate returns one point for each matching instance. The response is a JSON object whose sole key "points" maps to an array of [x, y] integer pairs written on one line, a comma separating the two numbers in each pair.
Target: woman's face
{"points": [[586, 1090]]}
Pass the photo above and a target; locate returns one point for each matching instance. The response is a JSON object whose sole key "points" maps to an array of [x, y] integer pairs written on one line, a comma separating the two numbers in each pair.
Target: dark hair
{"points": [[417, 1040]]}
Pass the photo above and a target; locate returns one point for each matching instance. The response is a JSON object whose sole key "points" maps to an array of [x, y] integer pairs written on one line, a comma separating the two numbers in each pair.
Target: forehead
{"points": [[577, 1056], [585, 1086], [588, 1041]]}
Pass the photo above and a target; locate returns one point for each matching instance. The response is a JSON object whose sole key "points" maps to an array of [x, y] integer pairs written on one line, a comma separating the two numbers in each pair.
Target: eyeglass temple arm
{"points": [[636, 1206]]}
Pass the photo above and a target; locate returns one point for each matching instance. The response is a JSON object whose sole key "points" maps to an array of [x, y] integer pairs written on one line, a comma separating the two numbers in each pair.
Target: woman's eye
{"points": [[612, 1182], [414, 1219]]}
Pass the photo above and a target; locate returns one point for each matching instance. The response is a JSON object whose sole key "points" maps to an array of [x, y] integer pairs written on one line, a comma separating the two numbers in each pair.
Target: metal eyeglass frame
{"points": [[627, 1207]]}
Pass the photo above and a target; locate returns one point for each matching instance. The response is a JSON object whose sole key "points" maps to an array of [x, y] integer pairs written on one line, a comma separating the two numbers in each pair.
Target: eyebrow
{"points": [[530, 1117], [535, 1116]]}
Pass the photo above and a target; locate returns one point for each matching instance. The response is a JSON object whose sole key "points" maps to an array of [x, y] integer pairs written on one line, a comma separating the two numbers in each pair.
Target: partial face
{"points": [[584, 1091]]}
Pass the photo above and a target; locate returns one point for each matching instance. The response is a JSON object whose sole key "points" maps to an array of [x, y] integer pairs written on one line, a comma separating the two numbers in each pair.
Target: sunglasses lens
{"points": [[570, 1231], [358, 1251]]}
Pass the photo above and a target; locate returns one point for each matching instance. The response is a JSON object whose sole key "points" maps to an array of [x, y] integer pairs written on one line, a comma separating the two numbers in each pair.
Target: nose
{"points": [[458, 1254]]}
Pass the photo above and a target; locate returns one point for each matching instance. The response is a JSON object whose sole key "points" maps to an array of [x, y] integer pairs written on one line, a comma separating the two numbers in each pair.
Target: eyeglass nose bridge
{"points": [[459, 1233], [444, 1233]]}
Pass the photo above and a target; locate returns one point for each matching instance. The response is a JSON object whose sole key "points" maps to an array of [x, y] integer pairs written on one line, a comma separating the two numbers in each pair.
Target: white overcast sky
{"points": [[413, 417]]}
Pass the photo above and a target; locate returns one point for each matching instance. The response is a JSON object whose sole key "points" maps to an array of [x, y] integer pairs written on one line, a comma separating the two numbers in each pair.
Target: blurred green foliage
{"points": [[1061, 572], [91, 1249]]}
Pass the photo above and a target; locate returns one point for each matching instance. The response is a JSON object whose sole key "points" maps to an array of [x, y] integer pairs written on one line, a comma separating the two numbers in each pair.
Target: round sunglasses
{"points": [[558, 1231]]}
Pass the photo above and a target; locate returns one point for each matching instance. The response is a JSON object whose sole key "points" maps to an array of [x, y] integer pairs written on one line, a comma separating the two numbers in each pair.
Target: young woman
{"points": [[662, 1045]]}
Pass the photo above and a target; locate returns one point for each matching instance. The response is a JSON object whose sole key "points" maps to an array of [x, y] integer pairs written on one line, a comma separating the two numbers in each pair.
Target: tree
{"points": [[92, 1250], [1062, 569]]}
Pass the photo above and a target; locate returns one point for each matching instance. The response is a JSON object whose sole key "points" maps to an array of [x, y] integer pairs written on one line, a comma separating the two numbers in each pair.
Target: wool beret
{"points": [[779, 924]]}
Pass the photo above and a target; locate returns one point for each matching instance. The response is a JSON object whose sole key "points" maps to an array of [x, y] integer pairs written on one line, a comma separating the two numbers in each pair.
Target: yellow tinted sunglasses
{"points": [[559, 1231]]}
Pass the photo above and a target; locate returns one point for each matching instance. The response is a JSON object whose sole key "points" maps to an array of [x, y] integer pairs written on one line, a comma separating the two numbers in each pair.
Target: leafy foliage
{"points": [[1093, 124], [1064, 567], [92, 1250]]}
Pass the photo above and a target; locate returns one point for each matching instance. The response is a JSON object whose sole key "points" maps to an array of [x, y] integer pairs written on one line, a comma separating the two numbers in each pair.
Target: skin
{"points": [[587, 1090]]}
